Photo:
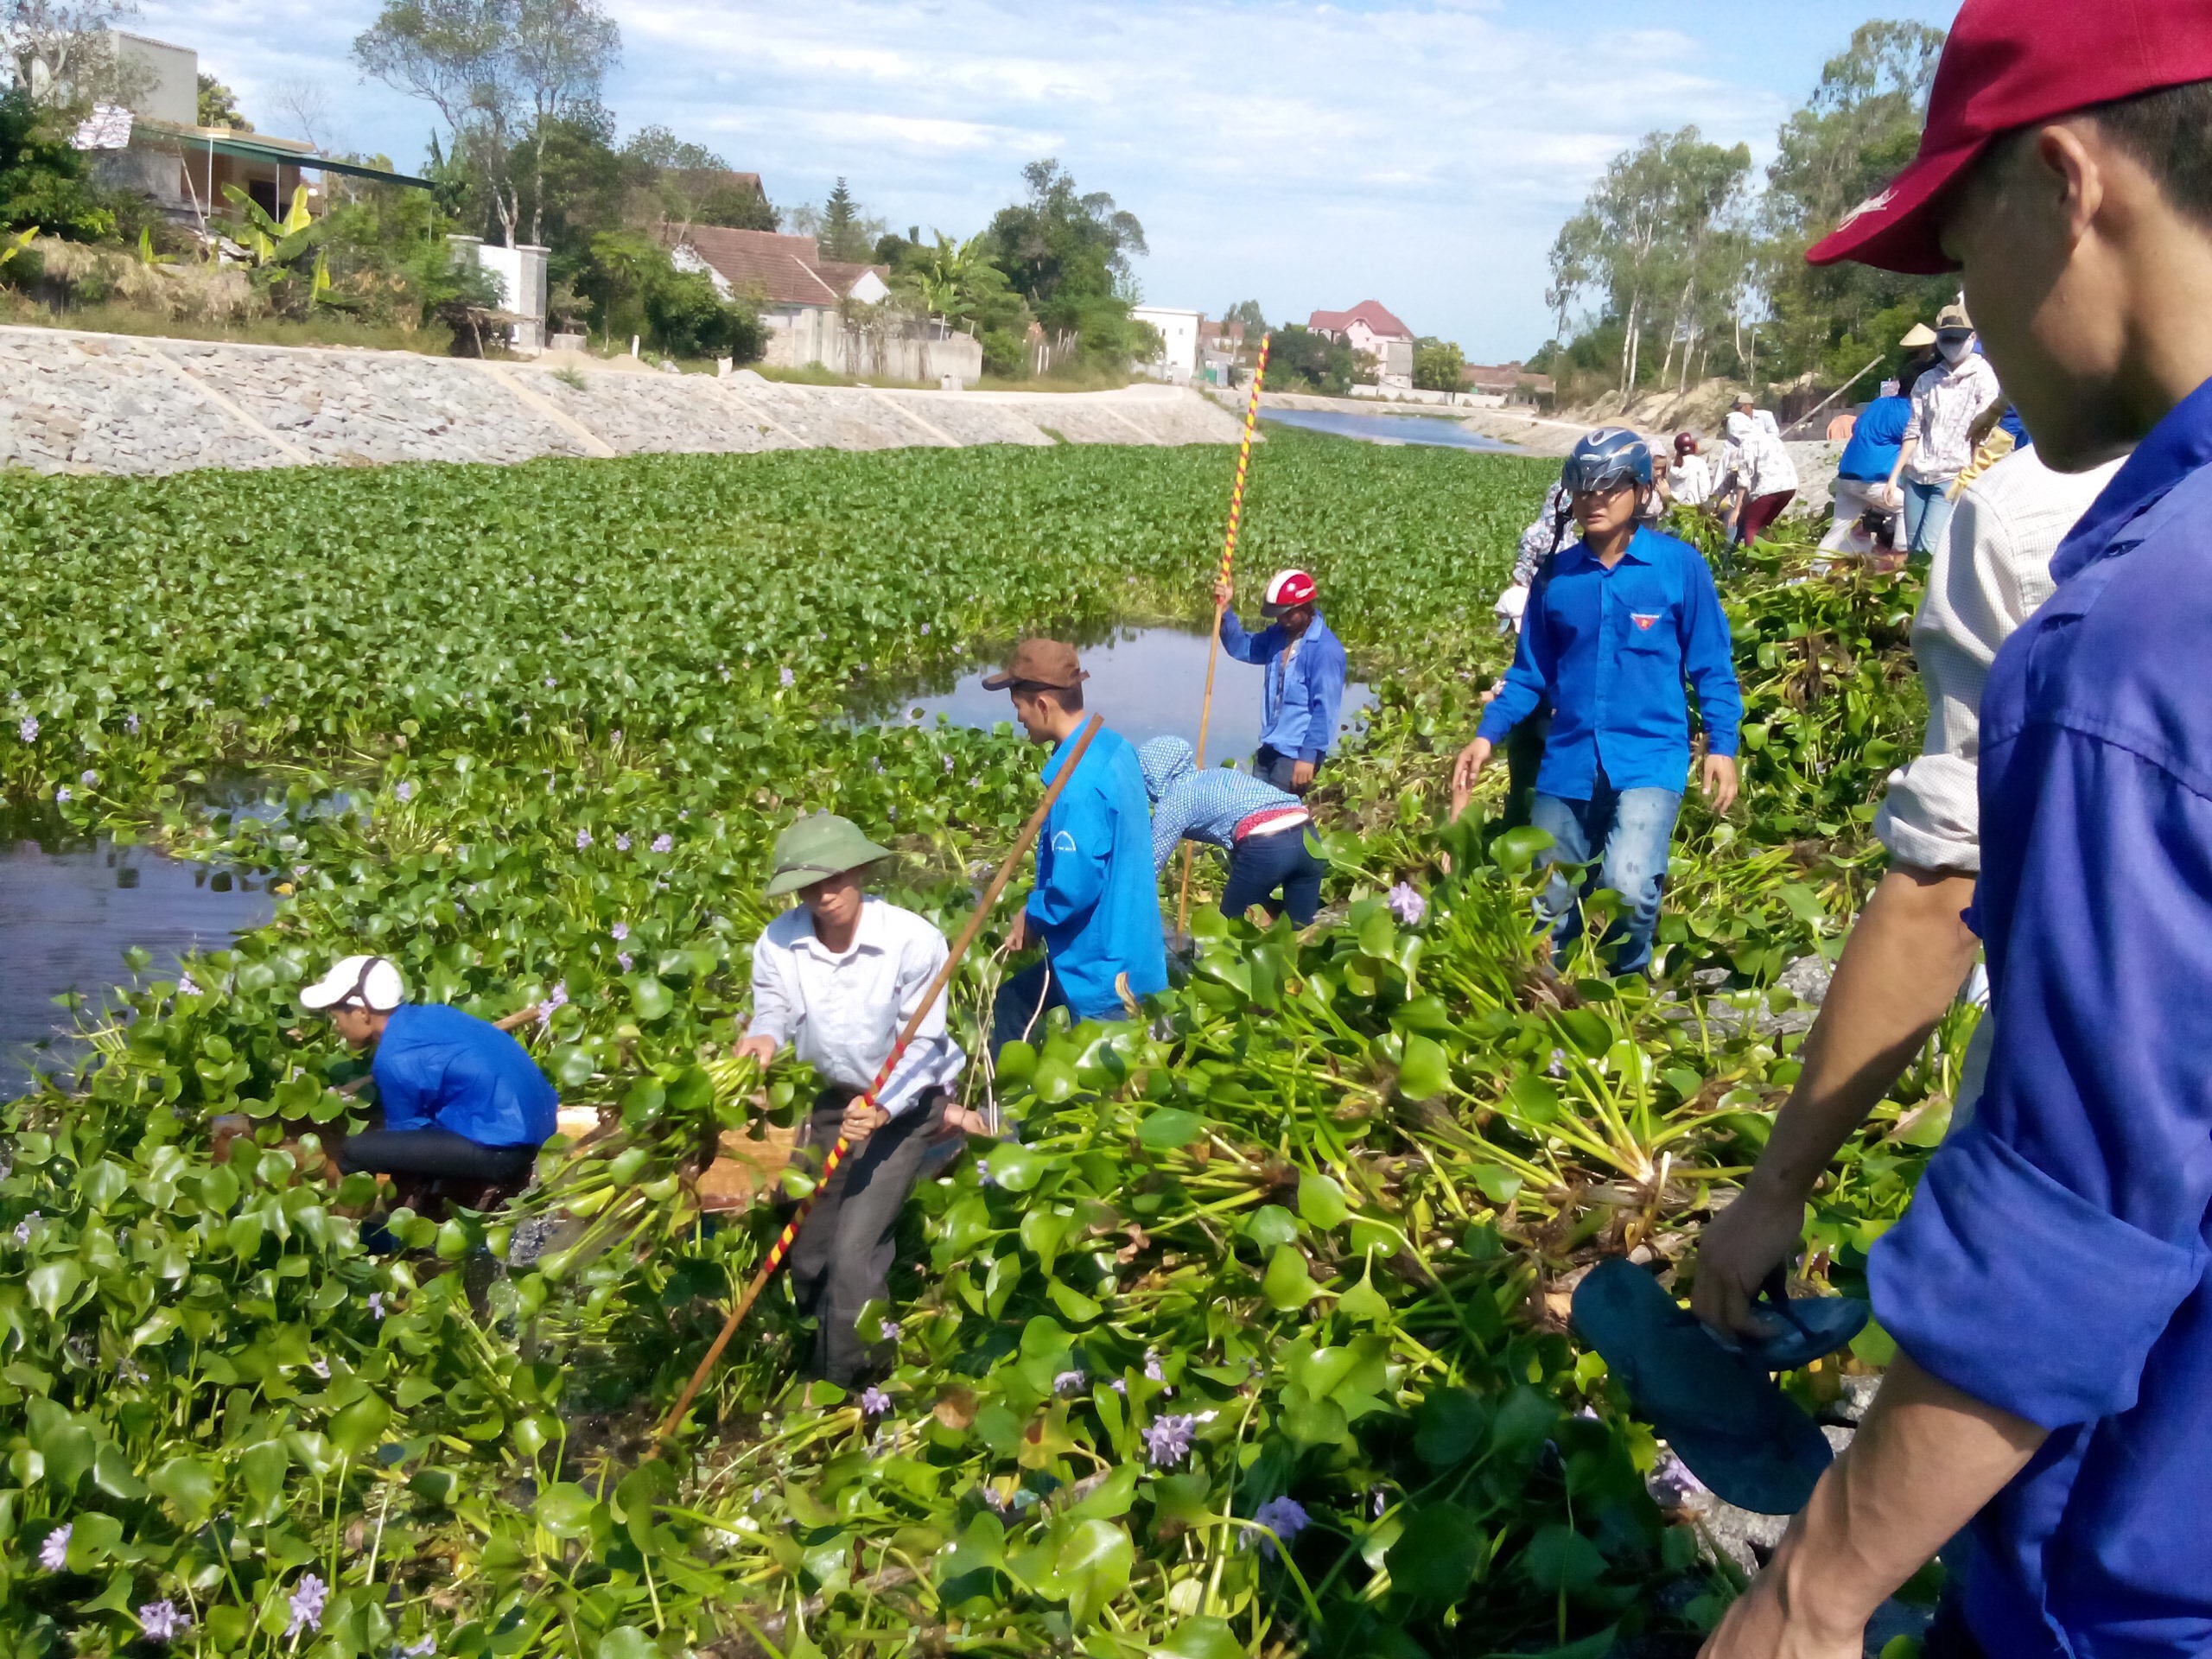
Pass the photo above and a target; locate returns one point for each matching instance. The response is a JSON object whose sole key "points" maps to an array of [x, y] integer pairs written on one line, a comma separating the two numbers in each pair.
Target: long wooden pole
{"points": [[1228, 558], [790, 1234]]}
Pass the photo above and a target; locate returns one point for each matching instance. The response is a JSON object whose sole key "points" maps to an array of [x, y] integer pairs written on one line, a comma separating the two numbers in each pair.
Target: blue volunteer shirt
{"points": [[1875, 440], [1305, 687], [437, 1068], [2053, 1262], [1609, 650], [1097, 904]]}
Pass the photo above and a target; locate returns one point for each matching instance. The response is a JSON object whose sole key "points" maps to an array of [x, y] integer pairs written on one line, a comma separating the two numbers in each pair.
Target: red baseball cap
{"points": [[1286, 591], [2007, 64]]}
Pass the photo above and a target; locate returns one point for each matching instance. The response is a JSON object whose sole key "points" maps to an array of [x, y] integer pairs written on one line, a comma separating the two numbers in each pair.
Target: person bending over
{"points": [[1263, 829], [461, 1100]]}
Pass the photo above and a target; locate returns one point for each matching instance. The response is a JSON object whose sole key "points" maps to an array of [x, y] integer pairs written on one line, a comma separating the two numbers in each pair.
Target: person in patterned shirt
{"points": [[1263, 829]]}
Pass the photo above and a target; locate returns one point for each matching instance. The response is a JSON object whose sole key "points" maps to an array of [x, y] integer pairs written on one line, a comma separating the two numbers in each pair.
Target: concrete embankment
{"points": [[84, 403]]}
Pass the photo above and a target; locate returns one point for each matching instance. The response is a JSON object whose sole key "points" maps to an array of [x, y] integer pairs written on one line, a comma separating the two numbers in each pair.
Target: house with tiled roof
{"points": [[807, 302], [1371, 328]]}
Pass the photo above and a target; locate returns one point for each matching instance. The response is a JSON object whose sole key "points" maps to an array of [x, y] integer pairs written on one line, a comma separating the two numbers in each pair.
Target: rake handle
{"points": [[781, 1249]]}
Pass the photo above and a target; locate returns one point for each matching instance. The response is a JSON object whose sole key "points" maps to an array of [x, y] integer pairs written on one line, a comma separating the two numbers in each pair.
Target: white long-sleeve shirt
{"points": [[1987, 576], [1946, 402], [843, 1011]]}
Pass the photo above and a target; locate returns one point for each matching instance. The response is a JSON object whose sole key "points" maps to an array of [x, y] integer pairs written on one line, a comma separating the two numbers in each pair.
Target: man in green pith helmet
{"points": [[837, 976]]}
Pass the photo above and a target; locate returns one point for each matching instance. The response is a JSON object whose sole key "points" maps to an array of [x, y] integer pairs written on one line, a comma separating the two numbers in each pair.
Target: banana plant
{"points": [[276, 250], [12, 245]]}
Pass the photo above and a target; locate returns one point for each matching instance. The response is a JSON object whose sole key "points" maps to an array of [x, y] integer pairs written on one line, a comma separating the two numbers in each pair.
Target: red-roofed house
{"points": [[1370, 327], [802, 298]]}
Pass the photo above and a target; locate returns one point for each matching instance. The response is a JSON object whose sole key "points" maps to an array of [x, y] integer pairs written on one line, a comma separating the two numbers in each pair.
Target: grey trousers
{"points": [[843, 1258]]}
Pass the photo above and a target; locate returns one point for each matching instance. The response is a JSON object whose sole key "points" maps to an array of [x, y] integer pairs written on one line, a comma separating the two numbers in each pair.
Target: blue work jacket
{"points": [[1096, 904], [2054, 1262], [1610, 650], [1304, 691], [437, 1068], [1876, 438]]}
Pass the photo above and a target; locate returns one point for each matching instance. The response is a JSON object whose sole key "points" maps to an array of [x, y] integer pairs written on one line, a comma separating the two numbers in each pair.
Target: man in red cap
{"points": [[2047, 1290], [1305, 666]]}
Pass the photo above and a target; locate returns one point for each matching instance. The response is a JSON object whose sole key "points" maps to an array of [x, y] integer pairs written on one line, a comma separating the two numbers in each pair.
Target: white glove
{"points": [[1511, 605]]}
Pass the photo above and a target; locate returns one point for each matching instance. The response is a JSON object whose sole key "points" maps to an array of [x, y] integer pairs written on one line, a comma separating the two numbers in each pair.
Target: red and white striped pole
{"points": [[1228, 558]]}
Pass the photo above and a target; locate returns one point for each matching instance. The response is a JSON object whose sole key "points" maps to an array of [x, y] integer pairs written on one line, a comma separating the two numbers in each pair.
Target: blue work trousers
{"points": [[1627, 832], [1927, 516]]}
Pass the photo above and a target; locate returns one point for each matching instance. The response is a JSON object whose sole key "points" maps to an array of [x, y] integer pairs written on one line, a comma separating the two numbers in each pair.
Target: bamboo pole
{"points": [[1228, 558], [936, 987]]}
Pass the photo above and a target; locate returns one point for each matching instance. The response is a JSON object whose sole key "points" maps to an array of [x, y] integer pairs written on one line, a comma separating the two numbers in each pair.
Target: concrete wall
{"points": [[802, 336], [86, 402], [164, 79]]}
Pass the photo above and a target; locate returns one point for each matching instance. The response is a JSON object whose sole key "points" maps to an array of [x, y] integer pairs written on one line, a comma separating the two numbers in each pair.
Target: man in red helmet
{"points": [[1305, 666], [2048, 1289]]}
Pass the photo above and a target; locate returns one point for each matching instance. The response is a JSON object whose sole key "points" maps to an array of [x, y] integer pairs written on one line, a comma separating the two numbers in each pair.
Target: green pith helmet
{"points": [[817, 847]]}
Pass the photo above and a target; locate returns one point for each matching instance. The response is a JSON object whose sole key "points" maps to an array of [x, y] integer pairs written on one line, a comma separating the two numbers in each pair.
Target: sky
{"points": [[1422, 153]]}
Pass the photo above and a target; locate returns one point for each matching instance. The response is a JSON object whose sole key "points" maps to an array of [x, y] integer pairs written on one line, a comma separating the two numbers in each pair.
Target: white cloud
{"points": [[1421, 152]]}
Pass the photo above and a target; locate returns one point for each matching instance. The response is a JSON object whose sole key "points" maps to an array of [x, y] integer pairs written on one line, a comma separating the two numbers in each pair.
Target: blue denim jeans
{"points": [[1628, 832], [1927, 516]]}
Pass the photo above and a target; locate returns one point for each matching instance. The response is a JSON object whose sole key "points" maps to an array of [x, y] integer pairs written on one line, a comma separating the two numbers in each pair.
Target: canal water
{"points": [[68, 911], [1392, 428], [1147, 683]]}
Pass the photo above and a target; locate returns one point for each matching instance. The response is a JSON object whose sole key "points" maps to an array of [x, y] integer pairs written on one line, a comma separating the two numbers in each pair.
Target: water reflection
{"points": [[69, 908], [1435, 429], [1147, 683]]}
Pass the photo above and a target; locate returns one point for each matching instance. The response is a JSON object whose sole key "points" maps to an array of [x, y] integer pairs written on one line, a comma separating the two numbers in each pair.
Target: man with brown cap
{"points": [[2047, 1290], [1096, 906]]}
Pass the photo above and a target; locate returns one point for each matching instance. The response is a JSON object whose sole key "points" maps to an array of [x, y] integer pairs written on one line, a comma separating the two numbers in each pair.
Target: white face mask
{"points": [[1955, 351]]}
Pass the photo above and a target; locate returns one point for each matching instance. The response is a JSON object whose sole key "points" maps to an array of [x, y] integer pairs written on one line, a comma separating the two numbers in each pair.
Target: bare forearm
{"points": [[1900, 970], [1922, 1464], [1904, 459]]}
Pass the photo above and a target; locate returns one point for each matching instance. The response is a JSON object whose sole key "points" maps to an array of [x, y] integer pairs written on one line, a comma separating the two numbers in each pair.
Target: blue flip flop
{"points": [[1717, 1408], [1812, 1325]]}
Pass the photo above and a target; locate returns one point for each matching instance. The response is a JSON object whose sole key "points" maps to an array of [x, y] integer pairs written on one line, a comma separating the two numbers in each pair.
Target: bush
{"points": [[689, 319], [42, 179]]}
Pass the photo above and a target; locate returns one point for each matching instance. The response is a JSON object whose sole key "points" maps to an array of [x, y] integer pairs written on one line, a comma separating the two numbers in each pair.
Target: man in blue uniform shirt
{"points": [[1096, 906], [1304, 687], [460, 1099], [1621, 620], [2048, 1288]]}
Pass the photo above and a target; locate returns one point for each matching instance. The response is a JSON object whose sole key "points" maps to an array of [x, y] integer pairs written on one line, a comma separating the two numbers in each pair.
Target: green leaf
{"points": [[565, 1510], [1427, 1072], [626, 1642], [52, 1284], [1170, 1128], [360, 1426], [1435, 1557], [189, 1486], [1014, 1166], [652, 999], [1287, 1285], [1321, 1201], [1094, 1563], [1201, 1638], [1560, 1558]]}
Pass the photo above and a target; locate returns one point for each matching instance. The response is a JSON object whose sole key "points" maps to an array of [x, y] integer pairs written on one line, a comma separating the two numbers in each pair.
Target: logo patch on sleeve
{"points": [[1644, 621], [1064, 842]]}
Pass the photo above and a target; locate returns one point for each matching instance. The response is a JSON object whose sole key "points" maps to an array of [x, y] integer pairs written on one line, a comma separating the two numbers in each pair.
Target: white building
{"points": [[1178, 332]]}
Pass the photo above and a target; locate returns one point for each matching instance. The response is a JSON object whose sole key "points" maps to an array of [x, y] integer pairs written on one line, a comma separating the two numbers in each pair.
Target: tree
{"points": [[497, 72], [1068, 255], [62, 54], [694, 185], [844, 232], [1437, 363], [1248, 312], [42, 181], [219, 105], [1300, 358]]}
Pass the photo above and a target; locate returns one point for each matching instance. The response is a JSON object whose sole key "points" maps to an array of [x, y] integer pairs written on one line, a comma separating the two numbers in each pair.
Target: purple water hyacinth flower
{"points": [[306, 1604], [62, 795], [404, 791], [619, 932], [948, 763], [1407, 904], [1167, 1439], [626, 959], [1286, 1517], [187, 986], [556, 998], [664, 843], [27, 729], [583, 839], [785, 677], [1558, 1066], [1378, 1500], [130, 724], [1153, 1373], [875, 1402], [321, 1368], [1069, 1383], [426, 1649], [162, 1621], [621, 843], [892, 1330], [24, 1229], [1671, 1484], [54, 1554], [376, 1303], [550, 682], [925, 630], [1120, 1385], [88, 777], [127, 1371]]}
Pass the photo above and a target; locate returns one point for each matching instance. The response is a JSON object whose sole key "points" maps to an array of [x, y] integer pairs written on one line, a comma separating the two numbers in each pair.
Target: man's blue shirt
{"points": [[1096, 902], [1304, 689], [1610, 651], [2054, 1262], [1875, 440], [437, 1068]]}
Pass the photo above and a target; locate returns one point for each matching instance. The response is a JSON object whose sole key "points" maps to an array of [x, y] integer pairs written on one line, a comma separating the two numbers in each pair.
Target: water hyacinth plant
{"points": [[1250, 1342]]}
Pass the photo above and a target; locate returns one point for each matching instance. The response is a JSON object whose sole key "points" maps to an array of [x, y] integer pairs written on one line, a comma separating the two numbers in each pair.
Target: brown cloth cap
{"points": [[1038, 662]]}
